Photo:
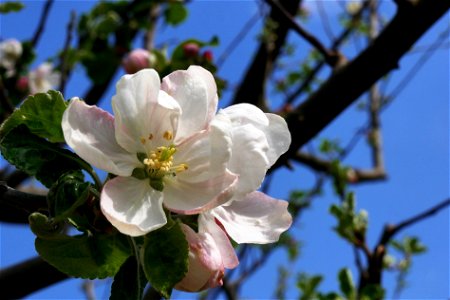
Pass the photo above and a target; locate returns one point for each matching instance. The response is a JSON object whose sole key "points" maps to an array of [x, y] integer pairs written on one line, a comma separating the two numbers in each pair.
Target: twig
{"points": [[325, 20], [41, 25], [238, 38], [64, 67], [149, 36], [315, 70], [354, 175], [332, 58], [391, 230], [88, 288]]}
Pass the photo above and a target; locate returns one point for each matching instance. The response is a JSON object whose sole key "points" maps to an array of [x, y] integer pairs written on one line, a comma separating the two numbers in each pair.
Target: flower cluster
{"points": [[10, 53], [172, 152]]}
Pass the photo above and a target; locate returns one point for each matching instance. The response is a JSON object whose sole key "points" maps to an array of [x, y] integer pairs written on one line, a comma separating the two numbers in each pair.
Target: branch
{"points": [[339, 40], [252, 86], [41, 25], [373, 272], [31, 275], [64, 67], [353, 175], [16, 206], [351, 81], [331, 57]]}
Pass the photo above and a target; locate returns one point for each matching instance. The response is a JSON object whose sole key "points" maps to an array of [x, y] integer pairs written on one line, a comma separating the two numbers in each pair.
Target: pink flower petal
{"points": [[89, 131], [257, 218]]}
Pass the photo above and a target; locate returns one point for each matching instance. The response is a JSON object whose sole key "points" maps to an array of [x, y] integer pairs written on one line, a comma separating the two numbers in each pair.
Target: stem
{"points": [[138, 263]]}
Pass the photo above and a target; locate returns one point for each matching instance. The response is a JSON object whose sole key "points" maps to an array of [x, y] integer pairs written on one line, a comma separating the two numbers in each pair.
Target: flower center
{"points": [[158, 164]]}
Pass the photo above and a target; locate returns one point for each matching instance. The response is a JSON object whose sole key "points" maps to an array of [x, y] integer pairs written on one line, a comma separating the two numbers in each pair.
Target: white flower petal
{"points": [[89, 130], [196, 92], [273, 126], [257, 218], [194, 197], [132, 206], [206, 154], [249, 159], [142, 112]]}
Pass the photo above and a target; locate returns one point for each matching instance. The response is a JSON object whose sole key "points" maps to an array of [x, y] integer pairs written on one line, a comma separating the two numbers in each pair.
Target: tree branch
{"points": [[41, 25], [373, 273], [31, 275], [332, 58], [351, 81], [252, 86], [16, 206]]}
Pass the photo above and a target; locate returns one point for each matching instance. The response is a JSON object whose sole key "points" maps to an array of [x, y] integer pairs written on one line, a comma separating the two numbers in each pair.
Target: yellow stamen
{"points": [[143, 141], [168, 135]]}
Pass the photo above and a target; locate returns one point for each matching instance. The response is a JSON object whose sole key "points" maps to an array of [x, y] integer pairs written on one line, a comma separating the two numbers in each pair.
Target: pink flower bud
{"points": [[136, 60], [208, 55], [206, 269], [22, 84], [191, 50]]}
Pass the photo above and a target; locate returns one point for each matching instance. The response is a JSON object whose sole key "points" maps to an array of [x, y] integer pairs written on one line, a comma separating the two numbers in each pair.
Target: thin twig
{"points": [[149, 37], [391, 230], [325, 20], [64, 63], [238, 38], [331, 57], [42, 21]]}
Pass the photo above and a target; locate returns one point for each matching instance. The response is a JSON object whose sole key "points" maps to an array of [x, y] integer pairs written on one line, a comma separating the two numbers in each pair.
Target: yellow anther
{"points": [[168, 135], [143, 141]]}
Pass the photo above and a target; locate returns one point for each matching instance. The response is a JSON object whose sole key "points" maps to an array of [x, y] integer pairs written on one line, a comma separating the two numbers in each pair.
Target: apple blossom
{"points": [[43, 78], [137, 60], [10, 52], [210, 252], [162, 144]]}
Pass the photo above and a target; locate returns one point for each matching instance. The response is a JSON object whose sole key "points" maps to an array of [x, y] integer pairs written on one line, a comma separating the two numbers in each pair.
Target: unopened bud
{"points": [[137, 60], [208, 55], [191, 50], [22, 84]]}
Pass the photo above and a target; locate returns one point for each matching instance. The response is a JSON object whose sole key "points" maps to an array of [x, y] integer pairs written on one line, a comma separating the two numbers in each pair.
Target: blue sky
{"points": [[416, 144]]}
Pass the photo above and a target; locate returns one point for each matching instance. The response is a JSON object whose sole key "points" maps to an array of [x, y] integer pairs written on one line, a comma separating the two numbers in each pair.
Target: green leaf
{"points": [[129, 282], [42, 114], [372, 291], [175, 13], [67, 194], [85, 256], [165, 258], [346, 284], [11, 6], [36, 156], [308, 285]]}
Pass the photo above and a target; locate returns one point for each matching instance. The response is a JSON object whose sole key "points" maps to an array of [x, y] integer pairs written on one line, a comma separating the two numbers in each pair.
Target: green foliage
{"points": [[346, 284], [372, 291], [175, 13], [409, 245], [308, 286], [36, 156], [330, 147], [340, 175], [85, 256], [67, 194], [291, 244], [129, 282], [179, 61], [351, 225], [164, 257], [11, 6], [42, 114]]}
